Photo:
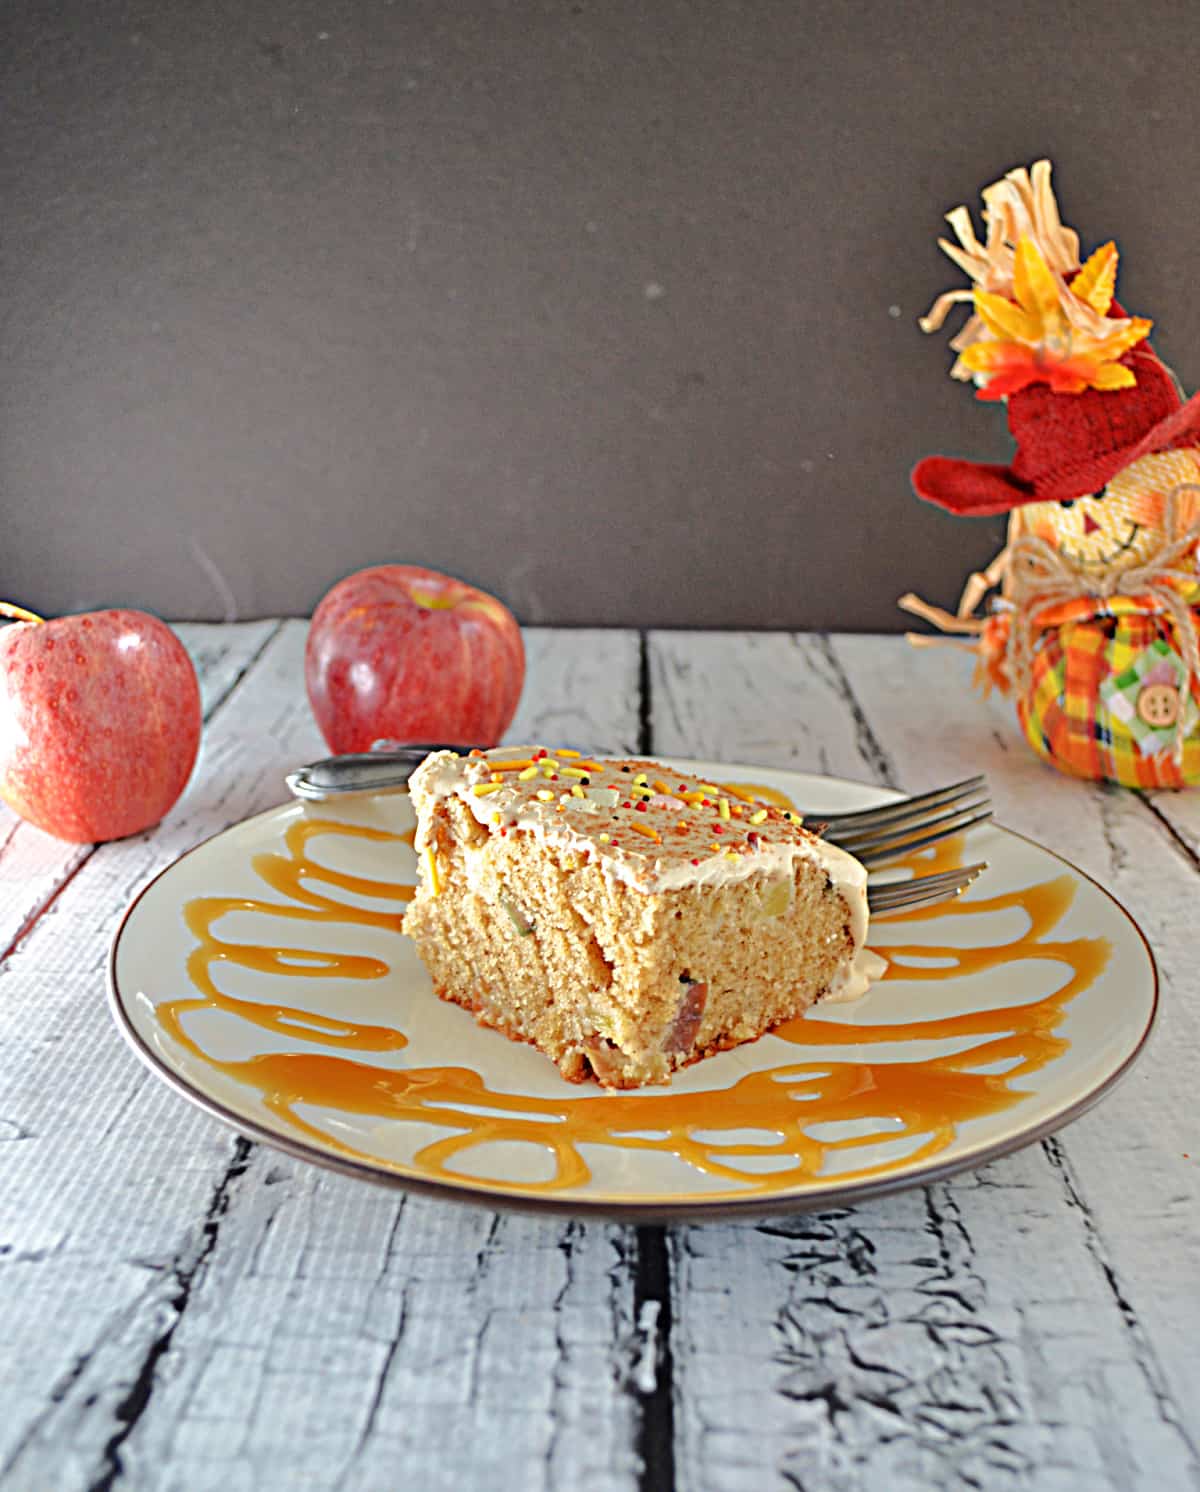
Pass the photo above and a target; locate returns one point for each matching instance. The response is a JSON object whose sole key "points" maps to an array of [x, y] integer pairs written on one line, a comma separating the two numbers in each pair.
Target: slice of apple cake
{"points": [[621, 916]]}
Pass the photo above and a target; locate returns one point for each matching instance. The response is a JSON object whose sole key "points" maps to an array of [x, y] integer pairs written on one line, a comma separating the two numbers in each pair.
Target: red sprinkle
{"points": [[641, 808], [626, 805], [718, 828], [695, 862]]}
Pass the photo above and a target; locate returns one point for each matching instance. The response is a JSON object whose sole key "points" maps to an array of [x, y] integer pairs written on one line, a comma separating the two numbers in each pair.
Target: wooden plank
{"points": [[1011, 1327], [241, 1319]]}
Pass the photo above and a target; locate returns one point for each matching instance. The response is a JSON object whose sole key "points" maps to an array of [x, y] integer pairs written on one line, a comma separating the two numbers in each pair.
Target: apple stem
{"points": [[18, 613]]}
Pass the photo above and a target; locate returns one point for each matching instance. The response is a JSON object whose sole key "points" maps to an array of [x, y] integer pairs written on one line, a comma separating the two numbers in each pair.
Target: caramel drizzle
{"points": [[922, 1102]]}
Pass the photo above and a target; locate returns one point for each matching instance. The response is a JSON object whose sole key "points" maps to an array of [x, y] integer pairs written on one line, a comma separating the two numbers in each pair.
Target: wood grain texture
{"points": [[226, 1317], [1030, 1325], [185, 1311]]}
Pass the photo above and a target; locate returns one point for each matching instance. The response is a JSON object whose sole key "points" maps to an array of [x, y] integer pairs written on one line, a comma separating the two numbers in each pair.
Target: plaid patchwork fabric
{"points": [[1106, 691]]}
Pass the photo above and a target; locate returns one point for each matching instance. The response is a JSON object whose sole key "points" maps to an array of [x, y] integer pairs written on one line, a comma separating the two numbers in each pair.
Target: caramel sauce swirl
{"points": [[921, 1102]]}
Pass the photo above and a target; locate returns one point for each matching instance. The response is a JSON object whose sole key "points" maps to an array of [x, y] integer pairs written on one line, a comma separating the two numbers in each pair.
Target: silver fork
{"points": [[873, 835], [921, 891]]}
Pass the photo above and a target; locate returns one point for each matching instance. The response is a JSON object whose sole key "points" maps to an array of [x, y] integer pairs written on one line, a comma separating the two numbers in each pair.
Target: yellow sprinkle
{"points": [[641, 792], [578, 791], [639, 780], [723, 805], [757, 818], [529, 771], [546, 795], [496, 817], [692, 797], [435, 881], [565, 751], [497, 776], [481, 789], [713, 792], [549, 764], [731, 854], [575, 772], [603, 838], [716, 845], [648, 832]]}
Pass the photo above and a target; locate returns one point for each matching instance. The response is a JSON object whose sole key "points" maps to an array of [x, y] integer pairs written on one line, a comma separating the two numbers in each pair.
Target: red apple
{"points": [[404, 653], [99, 722]]}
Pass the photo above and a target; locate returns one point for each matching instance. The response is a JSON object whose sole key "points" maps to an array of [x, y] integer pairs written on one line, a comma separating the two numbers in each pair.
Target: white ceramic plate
{"points": [[264, 977]]}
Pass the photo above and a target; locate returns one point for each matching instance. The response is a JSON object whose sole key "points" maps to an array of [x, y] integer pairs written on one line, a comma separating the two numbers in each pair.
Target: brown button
{"points": [[1158, 705]]}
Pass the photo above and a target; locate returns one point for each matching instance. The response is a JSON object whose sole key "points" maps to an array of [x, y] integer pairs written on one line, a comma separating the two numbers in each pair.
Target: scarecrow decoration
{"points": [[1092, 605]]}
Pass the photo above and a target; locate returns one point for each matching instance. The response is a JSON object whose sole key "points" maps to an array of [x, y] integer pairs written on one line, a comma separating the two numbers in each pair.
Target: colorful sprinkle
{"points": [[757, 818], [481, 789]]}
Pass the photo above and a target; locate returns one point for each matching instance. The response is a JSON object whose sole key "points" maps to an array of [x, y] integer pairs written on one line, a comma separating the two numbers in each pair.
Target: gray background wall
{"points": [[608, 307]]}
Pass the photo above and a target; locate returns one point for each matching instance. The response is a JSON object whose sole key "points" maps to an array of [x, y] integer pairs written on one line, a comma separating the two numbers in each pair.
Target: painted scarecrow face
{"points": [[1123, 525]]}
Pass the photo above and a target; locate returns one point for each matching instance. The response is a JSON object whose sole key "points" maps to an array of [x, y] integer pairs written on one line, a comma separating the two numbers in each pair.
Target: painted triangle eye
{"points": [[1090, 526]]}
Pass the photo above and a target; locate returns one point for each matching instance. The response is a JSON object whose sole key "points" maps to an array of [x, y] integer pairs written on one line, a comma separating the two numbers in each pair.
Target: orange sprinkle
{"points": [[740, 792], [566, 751], [589, 766], [647, 831], [514, 766], [661, 787]]}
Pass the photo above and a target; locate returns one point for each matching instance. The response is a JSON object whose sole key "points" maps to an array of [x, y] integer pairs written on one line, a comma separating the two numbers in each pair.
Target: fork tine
{"points": [[888, 811], [900, 828], [922, 891], [891, 849]]}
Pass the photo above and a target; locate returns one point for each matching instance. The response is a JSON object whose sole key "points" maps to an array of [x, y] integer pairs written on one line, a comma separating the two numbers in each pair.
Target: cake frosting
{"points": [[647, 826]]}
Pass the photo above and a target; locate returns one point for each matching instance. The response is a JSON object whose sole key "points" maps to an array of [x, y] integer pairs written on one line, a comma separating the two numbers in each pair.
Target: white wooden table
{"points": [[182, 1309]]}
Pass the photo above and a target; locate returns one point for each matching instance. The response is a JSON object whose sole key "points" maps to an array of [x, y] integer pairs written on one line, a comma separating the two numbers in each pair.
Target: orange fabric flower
{"points": [[1035, 338]]}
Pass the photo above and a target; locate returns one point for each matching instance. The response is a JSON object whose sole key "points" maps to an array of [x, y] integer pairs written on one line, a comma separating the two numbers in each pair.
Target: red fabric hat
{"points": [[1068, 445]]}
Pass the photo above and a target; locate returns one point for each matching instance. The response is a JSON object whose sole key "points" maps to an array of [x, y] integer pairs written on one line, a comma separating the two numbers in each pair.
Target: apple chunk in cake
{"points": [[623, 917]]}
